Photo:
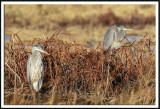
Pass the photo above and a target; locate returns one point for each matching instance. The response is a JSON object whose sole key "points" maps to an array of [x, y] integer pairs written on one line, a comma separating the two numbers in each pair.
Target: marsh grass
{"points": [[77, 75], [84, 22]]}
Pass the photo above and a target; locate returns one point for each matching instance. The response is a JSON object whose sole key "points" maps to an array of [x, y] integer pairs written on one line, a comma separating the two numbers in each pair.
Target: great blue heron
{"points": [[113, 37], [35, 69]]}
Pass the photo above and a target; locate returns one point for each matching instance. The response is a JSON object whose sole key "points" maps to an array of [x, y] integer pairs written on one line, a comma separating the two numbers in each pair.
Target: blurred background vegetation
{"points": [[84, 22]]}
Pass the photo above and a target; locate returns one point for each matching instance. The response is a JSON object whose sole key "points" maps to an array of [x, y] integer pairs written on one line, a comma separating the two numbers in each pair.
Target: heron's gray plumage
{"points": [[113, 37], [108, 40], [35, 69]]}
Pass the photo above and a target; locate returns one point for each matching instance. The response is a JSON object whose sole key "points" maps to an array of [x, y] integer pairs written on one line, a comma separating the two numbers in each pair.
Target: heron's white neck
{"points": [[36, 54]]}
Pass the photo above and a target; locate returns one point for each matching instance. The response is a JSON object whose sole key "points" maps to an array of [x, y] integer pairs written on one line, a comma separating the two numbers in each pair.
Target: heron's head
{"points": [[38, 48], [122, 28]]}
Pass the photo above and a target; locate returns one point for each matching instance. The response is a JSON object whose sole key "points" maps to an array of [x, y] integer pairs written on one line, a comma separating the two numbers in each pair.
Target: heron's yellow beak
{"points": [[45, 52], [126, 29], [41, 50]]}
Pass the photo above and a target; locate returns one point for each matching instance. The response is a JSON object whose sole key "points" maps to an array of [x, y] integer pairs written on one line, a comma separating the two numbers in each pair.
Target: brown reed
{"points": [[70, 67]]}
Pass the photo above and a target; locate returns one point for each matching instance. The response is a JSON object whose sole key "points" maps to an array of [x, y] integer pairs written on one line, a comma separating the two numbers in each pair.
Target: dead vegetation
{"points": [[76, 75], [110, 18], [105, 19]]}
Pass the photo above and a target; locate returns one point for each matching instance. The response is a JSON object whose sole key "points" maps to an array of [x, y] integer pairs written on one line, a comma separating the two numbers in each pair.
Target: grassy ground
{"points": [[75, 74], [83, 22]]}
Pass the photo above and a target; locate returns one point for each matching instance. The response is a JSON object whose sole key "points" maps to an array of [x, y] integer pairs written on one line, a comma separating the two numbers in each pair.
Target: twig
{"points": [[130, 42], [14, 72]]}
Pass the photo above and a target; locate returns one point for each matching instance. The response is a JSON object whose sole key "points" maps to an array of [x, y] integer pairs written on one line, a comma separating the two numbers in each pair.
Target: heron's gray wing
{"points": [[108, 39], [29, 70], [42, 75], [42, 68]]}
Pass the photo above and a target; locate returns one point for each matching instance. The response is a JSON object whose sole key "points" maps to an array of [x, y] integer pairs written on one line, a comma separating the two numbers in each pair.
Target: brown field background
{"points": [[75, 73]]}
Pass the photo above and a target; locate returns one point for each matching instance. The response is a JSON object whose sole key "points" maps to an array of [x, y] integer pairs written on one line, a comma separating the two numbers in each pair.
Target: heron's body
{"points": [[35, 71], [113, 37]]}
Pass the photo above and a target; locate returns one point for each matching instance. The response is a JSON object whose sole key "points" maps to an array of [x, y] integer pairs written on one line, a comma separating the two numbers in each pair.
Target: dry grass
{"points": [[77, 75], [84, 22]]}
